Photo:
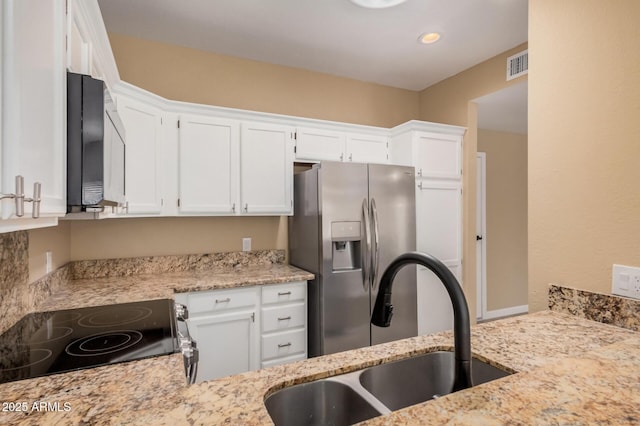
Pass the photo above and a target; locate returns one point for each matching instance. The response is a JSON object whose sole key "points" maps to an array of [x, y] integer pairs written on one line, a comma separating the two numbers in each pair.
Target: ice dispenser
{"points": [[345, 241]]}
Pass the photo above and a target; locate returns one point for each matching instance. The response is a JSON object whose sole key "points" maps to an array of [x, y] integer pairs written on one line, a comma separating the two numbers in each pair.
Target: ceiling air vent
{"points": [[518, 65]]}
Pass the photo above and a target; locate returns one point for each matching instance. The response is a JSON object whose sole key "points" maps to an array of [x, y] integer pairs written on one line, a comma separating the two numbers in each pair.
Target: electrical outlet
{"points": [[626, 281], [49, 262], [246, 244]]}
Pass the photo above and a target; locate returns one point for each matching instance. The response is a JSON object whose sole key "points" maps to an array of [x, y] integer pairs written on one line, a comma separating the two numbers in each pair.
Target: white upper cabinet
{"points": [[438, 156], [315, 144], [208, 165], [367, 149], [33, 109], [266, 158], [144, 159], [319, 145]]}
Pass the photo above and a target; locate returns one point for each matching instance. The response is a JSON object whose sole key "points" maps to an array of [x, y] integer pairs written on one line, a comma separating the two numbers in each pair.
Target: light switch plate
{"points": [[246, 244], [626, 281]]}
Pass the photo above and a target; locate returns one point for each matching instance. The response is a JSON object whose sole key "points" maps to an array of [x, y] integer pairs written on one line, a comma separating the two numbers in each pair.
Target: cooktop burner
{"points": [[54, 342]]}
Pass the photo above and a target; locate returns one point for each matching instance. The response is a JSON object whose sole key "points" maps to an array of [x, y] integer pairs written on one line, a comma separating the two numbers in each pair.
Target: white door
{"points": [[208, 165], [144, 156], [319, 145], [481, 235], [226, 344], [34, 103], [266, 158], [367, 149]]}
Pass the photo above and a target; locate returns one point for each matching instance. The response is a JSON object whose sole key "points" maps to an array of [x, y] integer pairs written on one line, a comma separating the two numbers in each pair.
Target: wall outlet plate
{"points": [[246, 244], [626, 281], [48, 262]]}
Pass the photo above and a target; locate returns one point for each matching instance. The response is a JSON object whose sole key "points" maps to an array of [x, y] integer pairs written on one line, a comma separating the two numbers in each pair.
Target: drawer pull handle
{"points": [[284, 293], [284, 318], [284, 345], [223, 300]]}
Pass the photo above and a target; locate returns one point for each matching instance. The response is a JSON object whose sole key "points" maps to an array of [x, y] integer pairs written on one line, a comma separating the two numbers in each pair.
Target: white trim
{"points": [[89, 12], [498, 313], [425, 126], [481, 287]]}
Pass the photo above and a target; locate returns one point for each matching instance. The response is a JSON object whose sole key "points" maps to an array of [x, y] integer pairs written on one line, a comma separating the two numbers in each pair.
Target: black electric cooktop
{"points": [[46, 343]]}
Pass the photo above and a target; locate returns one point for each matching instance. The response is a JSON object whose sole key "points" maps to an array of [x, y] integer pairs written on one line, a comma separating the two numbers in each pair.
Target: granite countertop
{"points": [[569, 371], [133, 288]]}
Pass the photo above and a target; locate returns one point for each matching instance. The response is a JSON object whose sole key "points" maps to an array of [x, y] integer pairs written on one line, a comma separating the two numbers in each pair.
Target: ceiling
{"points": [[333, 36]]}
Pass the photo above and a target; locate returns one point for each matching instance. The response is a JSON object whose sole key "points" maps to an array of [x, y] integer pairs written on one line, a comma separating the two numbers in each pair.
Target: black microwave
{"points": [[95, 147]]}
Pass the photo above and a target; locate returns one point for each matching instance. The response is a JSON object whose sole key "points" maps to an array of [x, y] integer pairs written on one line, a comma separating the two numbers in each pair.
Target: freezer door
{"points": [[393, 221], [345, 310]]}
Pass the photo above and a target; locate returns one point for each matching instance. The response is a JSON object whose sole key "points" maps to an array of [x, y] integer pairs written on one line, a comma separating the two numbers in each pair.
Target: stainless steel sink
{"points": [[323, 402], [410, 381], [354, 397]]}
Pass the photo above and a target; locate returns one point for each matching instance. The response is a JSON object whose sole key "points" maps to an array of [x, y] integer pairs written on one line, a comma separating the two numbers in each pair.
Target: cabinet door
{"points": [[207, 165], [367, 149], [144, 159], [319, 145], [34, 103], [266, 157], [439, 219], [227, 344], [438, 156]]}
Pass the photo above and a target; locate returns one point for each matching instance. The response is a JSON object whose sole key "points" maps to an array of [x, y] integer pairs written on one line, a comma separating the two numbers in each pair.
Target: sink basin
{"points": [[323, 402], [360, 395], [410, 381]]}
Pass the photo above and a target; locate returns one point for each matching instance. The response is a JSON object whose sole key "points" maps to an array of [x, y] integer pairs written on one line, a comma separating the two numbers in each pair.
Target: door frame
{"points": [[481, 219]]}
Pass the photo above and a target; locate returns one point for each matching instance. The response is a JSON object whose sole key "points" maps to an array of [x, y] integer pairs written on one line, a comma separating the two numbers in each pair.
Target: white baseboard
{"points": [[514, 310]]}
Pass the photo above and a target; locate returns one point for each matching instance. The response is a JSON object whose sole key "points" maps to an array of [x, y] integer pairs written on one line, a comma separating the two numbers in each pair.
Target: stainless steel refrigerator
{"points": [[350, 221]]}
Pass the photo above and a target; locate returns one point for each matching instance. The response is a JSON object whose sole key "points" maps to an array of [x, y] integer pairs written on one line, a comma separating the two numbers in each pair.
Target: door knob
{"points": [[478, 237]]}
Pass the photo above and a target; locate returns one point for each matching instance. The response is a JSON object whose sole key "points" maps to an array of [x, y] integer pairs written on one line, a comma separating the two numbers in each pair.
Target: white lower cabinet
{"points": [[226, 343], [244, 329], [284, 323]]}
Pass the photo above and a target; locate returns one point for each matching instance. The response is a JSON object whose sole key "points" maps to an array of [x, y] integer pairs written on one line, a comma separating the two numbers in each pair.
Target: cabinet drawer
{"points": [[278, 318], [284, 293], [219, 300], [283, 344]]}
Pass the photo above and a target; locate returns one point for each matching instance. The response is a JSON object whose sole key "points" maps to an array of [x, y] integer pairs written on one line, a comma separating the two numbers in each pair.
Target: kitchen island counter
{"points": [[569, 370]]}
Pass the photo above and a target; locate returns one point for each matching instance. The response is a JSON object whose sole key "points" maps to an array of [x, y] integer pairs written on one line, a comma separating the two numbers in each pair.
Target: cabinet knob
{"points": [[420, 172], [284, 293], [350, 157], [341, 157], [246, 208], [223, 300], [284, 318], [233, 208], [284, 345]]}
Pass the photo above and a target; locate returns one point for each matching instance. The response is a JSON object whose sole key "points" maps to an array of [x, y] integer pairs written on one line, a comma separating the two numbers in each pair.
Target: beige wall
{"points": [[173, 235], [191, 75], [450, 102], [584, 143], [56, 240], [506, 204]]}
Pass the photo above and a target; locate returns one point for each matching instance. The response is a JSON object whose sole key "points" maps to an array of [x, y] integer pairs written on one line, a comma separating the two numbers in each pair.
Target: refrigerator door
{"points": [[345, 310], [393, 221]]}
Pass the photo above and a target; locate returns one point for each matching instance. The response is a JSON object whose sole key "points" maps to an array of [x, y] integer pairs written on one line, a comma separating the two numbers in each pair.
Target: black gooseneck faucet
{"points": [[383, 309]]}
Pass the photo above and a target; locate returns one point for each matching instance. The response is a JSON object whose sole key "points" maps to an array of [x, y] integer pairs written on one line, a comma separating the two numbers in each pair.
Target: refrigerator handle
{"points": [[375, 254], [365, 253]]}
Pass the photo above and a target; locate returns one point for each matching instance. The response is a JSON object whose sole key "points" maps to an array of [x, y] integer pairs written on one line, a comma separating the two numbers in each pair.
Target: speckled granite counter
{"points": [[570, 371], [133, 288]]}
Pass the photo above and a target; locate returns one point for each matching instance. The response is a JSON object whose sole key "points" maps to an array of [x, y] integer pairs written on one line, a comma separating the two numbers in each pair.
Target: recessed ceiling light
{"points": [[377, 4], [428, 38]]}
